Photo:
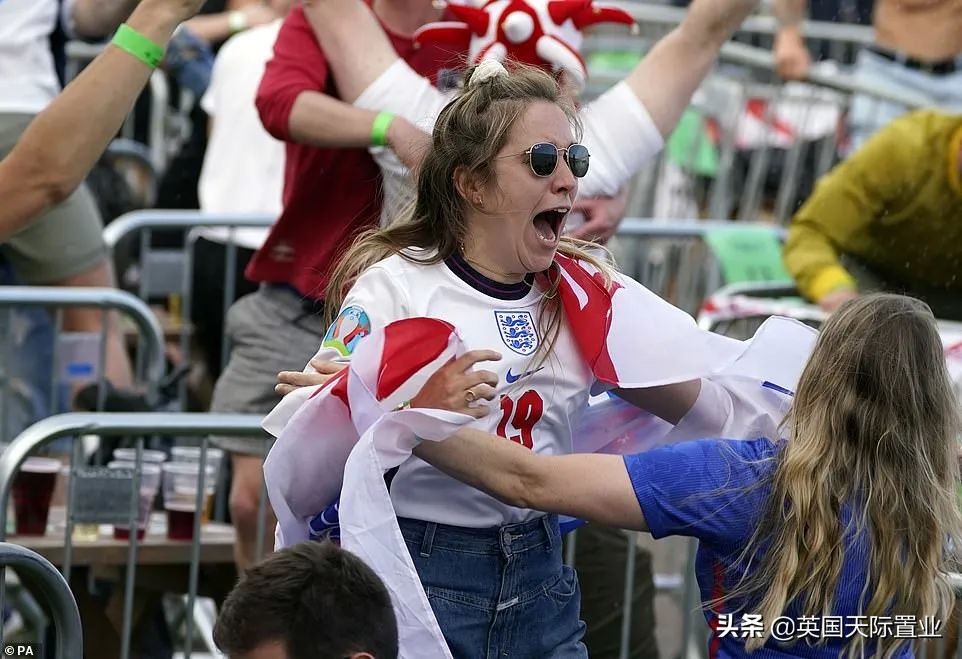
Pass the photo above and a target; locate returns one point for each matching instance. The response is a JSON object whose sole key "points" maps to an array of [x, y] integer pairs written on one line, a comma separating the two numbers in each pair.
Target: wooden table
{"points": [[216, 545], [163, 566]]}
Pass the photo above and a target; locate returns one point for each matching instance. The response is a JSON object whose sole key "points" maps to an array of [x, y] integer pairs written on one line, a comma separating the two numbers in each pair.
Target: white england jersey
{"points": [[535, 405]]}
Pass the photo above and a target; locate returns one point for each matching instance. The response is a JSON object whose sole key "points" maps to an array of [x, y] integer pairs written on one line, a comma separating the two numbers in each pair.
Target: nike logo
{"points": [[512, 378]]}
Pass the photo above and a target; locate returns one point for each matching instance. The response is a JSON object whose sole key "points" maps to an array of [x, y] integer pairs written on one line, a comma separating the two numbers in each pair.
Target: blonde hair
{"points": [[874, 426], [469, 133]]}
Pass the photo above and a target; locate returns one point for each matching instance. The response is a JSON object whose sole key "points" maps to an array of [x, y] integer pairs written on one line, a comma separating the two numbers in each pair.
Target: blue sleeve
{"points": [[709, 489]]}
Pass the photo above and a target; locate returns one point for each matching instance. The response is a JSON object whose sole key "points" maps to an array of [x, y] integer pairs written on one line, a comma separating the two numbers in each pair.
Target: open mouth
{"points": [[548, 223]]}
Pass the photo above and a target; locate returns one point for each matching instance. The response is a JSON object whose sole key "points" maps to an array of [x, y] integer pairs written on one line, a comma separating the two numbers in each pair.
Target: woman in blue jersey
{"points": [[847, 523]]}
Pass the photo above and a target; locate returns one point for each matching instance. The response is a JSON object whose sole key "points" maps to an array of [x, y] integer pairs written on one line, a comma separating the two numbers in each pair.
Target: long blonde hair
{"points": [[875, 426], [469, 133]]}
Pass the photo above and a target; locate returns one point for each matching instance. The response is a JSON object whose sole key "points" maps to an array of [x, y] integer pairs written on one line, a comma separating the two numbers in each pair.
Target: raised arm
{"points": [[665, 80], [593, 487], [65, 140], [293, 101], [97, 18], [357, 48], [846, 203], [792, 59]]}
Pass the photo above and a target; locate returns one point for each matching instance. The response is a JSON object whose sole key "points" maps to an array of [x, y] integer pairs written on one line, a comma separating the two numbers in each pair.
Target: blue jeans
{"points": [[499, 592]]}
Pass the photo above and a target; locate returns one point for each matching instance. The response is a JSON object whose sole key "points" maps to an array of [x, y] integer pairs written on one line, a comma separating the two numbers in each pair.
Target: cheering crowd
{"points": [[466, 354]]}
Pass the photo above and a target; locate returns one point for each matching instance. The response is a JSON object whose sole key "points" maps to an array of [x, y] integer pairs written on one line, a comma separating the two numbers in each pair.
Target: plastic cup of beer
{"points": [[180, 496], [214, 458], [149, 484], [130, 455], [32, 490]]}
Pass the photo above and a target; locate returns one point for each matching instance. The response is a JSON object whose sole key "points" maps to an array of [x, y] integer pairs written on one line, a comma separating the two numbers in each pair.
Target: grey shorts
{"points": [[65, 241], [269, 331]]}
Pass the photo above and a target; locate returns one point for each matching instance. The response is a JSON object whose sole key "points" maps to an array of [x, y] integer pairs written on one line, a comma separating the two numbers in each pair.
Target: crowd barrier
{"points": [[165, 273], [42, 579], [750, 146], [136, 560], [39, 364], [684, 261]]}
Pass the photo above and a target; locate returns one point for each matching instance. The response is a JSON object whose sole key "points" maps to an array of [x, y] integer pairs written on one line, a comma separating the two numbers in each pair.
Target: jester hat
{"points": [[544, 33]]}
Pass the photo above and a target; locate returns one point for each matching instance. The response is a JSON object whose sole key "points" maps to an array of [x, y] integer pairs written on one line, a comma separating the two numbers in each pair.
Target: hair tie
{"points": [[488, 69]]}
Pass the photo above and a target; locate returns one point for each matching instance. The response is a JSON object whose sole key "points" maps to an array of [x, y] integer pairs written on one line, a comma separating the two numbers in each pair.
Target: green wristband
{"points": [[129, 39], [379, 128]]}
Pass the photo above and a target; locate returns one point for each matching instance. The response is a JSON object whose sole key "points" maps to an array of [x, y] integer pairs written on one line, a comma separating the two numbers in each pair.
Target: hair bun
{"points": [[488, 69]]}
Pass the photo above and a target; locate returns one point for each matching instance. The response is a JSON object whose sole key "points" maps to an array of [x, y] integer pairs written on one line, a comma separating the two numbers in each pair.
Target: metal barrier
{"points": [[750, 146], [15, 387], [675, 260], [167, 272], [42, 578], [113, 425]]}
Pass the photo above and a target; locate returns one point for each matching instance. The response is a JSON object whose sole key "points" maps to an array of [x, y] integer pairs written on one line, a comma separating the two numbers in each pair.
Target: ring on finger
{"points": [[470, 396]]}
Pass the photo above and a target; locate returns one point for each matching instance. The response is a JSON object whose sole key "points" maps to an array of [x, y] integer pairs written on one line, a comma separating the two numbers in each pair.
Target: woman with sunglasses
{"points": [[483, 250], [494, 191]]}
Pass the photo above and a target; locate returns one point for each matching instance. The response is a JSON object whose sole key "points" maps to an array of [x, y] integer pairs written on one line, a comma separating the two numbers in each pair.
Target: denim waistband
{"points": [[539, 533]]}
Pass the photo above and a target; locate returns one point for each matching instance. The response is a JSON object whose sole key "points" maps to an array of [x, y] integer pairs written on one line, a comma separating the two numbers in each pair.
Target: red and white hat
{"points": [[545, 33]]}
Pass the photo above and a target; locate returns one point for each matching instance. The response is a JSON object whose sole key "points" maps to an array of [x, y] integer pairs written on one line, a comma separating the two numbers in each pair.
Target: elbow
{"points": [[43, 181]]}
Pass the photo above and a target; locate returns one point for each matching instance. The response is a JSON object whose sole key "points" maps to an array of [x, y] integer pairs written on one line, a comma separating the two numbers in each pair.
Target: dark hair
{"points": [[318, 600]]}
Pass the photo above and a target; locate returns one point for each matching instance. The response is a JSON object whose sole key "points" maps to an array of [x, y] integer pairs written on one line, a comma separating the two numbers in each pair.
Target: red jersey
{"points": [[329, 194]]}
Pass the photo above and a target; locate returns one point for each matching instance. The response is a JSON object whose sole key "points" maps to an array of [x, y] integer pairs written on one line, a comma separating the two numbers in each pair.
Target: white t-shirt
{"points": [[243, 169], [534, 406], [28, 78]]}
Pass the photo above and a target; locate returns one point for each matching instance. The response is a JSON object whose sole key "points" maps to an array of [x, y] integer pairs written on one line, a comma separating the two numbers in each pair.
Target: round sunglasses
{"points": [[543, 158]]}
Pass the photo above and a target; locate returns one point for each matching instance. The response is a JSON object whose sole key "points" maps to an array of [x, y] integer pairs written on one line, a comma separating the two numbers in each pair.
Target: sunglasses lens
{"points": [[544, 158], [578, 159]]}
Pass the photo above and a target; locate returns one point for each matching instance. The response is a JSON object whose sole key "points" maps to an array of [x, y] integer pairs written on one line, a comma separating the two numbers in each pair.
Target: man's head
{"points": [[310, 601]]}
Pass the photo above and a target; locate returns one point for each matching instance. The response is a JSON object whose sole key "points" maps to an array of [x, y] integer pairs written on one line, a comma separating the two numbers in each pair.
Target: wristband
{"points": [[132, 41], [237, 21], [379, 128]]}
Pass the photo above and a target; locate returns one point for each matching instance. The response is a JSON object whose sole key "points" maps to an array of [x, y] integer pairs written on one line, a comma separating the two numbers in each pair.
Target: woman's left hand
{"points": [[456, 387]]}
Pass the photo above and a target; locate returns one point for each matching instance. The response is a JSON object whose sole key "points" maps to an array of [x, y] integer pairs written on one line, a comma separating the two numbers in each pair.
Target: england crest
{"points": [[517, 331]]}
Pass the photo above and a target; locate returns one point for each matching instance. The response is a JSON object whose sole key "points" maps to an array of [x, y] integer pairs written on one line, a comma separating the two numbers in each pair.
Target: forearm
{"points": [[505, 470], [66, 139], [591, 487], [356, 47], [323, 121], [668, 76], [212, 28], [98, 18], [789, 13], [813, 260]]}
